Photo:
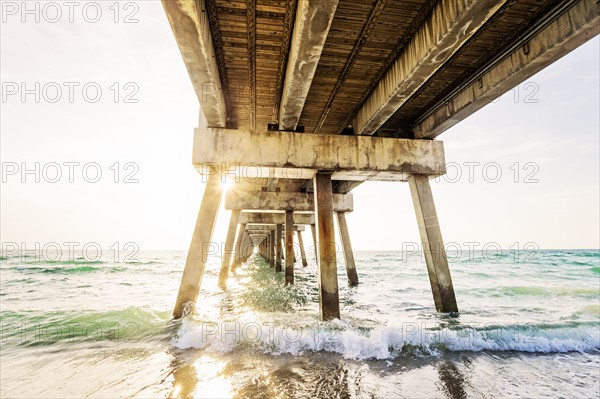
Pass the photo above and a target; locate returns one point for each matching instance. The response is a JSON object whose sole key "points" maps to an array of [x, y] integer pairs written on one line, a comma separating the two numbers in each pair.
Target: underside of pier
{"points": [[303, 100]]}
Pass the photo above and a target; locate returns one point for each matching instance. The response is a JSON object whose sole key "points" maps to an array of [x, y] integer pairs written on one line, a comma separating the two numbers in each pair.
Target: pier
{"points": [[301, 101]]}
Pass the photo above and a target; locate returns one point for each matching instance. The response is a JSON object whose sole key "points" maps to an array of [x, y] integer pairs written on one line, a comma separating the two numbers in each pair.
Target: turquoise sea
{"points": [[529, 326]]}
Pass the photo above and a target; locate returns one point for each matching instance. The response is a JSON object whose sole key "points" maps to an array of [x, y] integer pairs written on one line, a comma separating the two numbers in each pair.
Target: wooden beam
{"points": [[251, 23], [362, 40]]}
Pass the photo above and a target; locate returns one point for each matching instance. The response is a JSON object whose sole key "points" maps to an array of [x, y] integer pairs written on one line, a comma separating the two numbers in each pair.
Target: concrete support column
{"points": [[198, 253], [246, 247], [289, 247], [272, 249], [278, 248], [433, 246], [328, 285], [227, 252], [347, 248], [302, 252], [313, 230], [237, 260]]}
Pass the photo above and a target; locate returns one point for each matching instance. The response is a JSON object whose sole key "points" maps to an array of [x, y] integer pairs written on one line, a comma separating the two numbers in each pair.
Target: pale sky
{"points": [[554, 140]]}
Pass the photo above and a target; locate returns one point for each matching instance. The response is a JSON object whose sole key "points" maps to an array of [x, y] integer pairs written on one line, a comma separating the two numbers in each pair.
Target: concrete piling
{"points": [[272, 248], [433, 245], [302, 252], [347, 248], [198, 253], [237, 260], [289, 247], [313, 231], [228, 250], [278, 249], [328, 284]]}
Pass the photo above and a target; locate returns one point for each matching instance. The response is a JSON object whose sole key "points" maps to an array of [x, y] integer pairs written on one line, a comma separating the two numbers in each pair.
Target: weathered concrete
{"points": [[278, 249], [259, 227], [189, 23], [578, 25], [328, 285], [246, 155], [257, 241], [237, 260], [272, 249], [302, 251], [264, 228], [198, 253], [247, 247], [347, 248], [275, 218], [229, 248], [433, 245], [300, 202], [313, 231], [289, 247], [313, 19], [451, 24]]}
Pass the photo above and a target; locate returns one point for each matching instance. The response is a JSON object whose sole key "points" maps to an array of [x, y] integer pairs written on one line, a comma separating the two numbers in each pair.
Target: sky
{"points": [[111, 139]]}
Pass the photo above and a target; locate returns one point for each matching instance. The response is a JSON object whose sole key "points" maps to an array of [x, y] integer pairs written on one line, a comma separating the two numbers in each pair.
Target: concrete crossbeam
{"points": [[275, 218], [189, 23], [575, 27], [245, 155], [451, 24], [313, 20], [265, 228], [281, 201]]}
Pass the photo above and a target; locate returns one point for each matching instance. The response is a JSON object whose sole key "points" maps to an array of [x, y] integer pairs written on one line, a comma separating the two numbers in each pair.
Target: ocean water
{"points": [[529, 326]]}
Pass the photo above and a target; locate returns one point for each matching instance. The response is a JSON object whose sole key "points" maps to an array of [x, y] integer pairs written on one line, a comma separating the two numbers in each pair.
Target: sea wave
{"points": [[386, 342], [541, 291], [67, 268], [133, 324]]}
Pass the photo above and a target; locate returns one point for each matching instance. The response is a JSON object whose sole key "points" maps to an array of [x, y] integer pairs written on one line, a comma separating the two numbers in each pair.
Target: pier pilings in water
{"points": [[289, 247], [302, 251], [198, 253], [278, 248], [325, 168], [433, 246]]}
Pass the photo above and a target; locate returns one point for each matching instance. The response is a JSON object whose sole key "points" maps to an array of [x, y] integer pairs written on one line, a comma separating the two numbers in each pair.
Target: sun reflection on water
{"points": [[203, 379]]}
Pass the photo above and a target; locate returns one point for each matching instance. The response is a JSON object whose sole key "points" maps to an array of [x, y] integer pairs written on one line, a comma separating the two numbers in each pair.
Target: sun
{"points": [[227, 184]]}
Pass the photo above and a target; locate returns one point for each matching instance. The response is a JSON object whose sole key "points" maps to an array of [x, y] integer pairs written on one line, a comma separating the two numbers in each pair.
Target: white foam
{"points": [[385, 342]]}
